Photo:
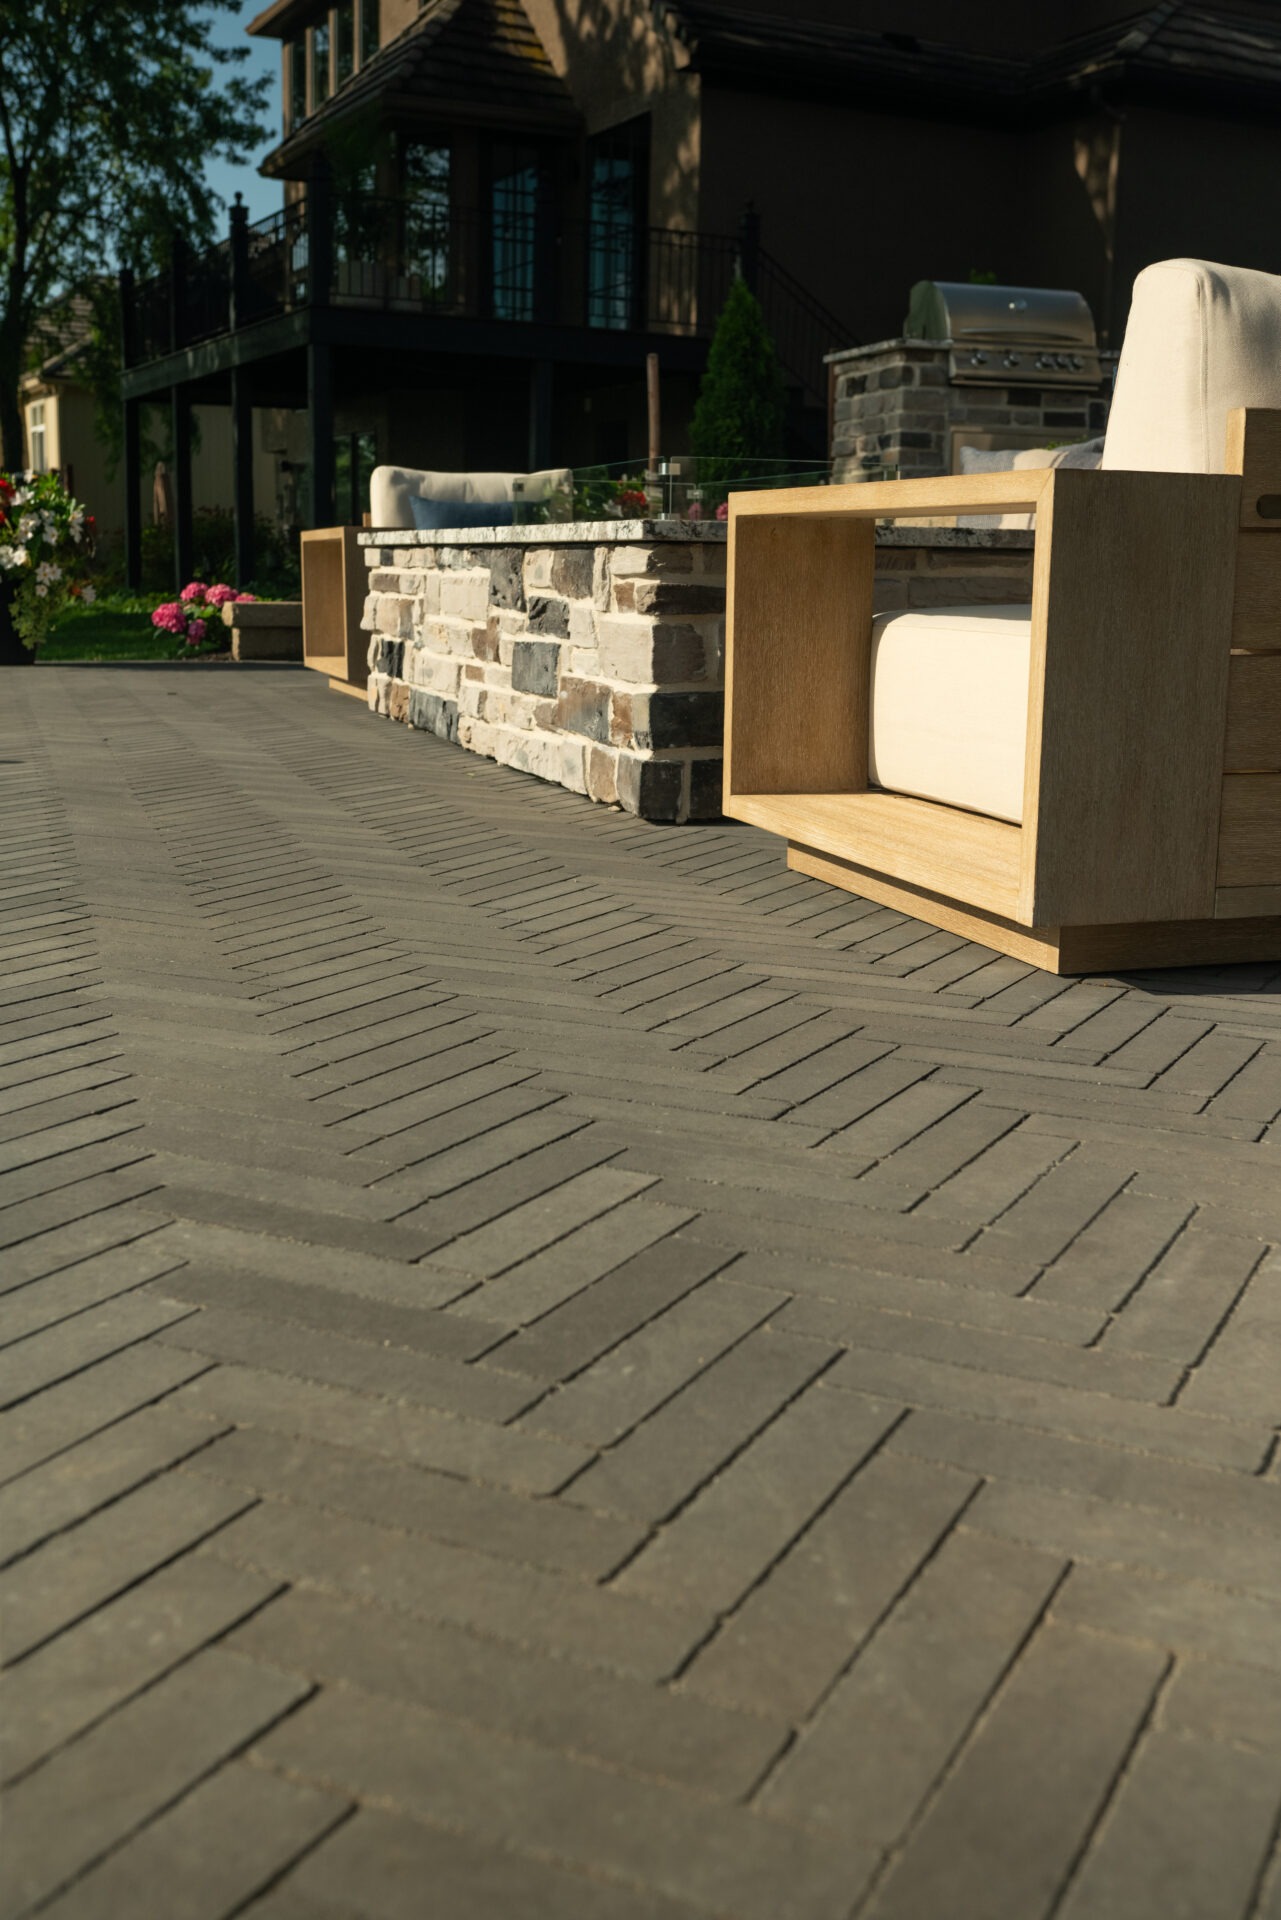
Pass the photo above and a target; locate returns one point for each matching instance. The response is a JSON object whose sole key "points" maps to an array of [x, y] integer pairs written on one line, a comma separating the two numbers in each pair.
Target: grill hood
{"points": [[1007, 336]]}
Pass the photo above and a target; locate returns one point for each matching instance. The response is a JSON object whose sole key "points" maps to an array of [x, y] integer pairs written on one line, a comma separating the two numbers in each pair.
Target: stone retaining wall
{"points": [[591, 655]]}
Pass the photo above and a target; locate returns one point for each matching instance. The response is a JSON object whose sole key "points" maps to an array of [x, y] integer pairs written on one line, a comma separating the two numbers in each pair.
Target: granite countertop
{"points": [[600, 533]]}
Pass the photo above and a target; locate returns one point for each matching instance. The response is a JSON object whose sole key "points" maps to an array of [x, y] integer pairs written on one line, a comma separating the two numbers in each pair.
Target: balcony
{"points": [[521, 269]]}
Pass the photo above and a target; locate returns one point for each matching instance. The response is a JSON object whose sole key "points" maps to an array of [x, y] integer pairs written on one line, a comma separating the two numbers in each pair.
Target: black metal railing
{"points": [[517, 267]]}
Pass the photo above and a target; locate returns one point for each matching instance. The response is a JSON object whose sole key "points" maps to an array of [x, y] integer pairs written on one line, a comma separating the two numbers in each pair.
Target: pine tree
{"points": [[738, 420]]}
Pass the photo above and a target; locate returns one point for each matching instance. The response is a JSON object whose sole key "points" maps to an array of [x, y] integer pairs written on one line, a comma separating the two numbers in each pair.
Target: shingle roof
{"points": [[1178, 46], [479, 60]]}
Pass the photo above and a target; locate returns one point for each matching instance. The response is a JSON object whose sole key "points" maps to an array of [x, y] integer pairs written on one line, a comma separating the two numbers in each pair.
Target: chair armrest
{"points": [[903, 499]]}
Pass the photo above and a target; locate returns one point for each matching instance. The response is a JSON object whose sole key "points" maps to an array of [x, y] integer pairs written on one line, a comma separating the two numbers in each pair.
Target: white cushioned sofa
{"points": [[411, 497], [949, 684], [1091, 779]]}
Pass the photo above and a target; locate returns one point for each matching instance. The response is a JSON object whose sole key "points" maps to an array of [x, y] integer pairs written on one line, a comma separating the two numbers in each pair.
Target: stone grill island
{"points": [[590, 654]]}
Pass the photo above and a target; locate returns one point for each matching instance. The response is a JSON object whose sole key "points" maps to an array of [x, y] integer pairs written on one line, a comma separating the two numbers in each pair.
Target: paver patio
{"points": [[556, 1371]]}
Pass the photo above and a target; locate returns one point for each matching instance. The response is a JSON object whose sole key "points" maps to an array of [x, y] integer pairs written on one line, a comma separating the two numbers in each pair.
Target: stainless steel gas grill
{"points": [[1007, 336]]}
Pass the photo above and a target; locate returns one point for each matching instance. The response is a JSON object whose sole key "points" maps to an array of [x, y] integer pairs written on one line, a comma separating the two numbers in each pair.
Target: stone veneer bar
{"points": [[590, 653]]}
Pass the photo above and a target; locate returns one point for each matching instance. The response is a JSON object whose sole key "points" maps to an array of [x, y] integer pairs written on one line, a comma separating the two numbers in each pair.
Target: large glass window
{"points": [[369, 30], [514, 216], [618, 167], [296, 56], [425, 199], [355, 457], [344, 41], [319, 64]]}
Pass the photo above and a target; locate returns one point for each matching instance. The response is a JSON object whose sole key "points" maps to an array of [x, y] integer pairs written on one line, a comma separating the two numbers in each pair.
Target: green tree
{"points": [[738, 419], [109, 110]]}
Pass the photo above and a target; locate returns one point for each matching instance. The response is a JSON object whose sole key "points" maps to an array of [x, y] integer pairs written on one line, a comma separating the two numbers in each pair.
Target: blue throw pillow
{"points": [[431, 515]]}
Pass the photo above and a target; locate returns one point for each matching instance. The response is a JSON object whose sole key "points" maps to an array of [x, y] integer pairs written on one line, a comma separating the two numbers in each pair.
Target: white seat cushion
{"points": [[1200, 340], [949, 706]]}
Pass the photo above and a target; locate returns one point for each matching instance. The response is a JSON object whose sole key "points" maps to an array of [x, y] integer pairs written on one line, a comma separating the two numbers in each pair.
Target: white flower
{"points": [[89, 595], [47, 573], [15, 557], [42, 591], [21, 497], [29, 527]]}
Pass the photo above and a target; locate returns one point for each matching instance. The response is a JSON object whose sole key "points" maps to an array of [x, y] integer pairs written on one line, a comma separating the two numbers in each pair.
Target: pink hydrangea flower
{"points": [[219, 596], [195, 591], [169, 617], [195, 632], [240, 598]]}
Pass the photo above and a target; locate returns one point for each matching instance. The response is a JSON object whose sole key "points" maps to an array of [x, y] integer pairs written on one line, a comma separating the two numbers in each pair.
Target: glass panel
{"points": [[514, 209], [425, 197], [618, 165], [369, 30], [360, 221], [319, 64], [297, 52], [344, 41]]}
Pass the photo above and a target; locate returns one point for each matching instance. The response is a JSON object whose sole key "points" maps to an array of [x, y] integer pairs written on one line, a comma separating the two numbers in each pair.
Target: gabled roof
{"points": [[475, 60], [1174, 48]]}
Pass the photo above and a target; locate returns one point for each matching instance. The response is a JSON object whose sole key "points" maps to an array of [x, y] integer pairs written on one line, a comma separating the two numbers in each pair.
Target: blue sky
{"points": [[261, 196]]}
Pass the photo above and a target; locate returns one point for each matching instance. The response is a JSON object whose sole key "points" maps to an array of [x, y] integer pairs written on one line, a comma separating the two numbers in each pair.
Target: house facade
{"points": [[495, 209]]}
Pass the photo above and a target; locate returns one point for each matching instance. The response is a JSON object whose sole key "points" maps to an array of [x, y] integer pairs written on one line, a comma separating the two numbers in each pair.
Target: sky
{"points": [[261, 196]]}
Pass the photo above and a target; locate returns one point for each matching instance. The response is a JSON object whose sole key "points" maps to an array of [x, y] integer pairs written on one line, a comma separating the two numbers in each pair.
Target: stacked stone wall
{"points": [[598, 666]]}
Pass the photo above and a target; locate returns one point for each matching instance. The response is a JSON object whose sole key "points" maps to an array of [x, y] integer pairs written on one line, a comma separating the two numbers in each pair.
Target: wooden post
{"points": [[655, 411], [242, 474], [133, 490], [183, 531], [239, 250], [541, 396], [320, 421]]}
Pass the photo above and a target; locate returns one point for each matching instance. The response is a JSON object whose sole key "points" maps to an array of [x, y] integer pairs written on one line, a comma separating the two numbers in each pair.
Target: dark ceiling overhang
{"points": [[1179, 52]]}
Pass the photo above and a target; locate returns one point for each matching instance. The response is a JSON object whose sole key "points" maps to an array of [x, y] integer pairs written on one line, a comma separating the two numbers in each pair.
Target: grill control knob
{"points": [[1043, 361], [1011, 360], [978, 359], [1077, 363], [1061, 360]]}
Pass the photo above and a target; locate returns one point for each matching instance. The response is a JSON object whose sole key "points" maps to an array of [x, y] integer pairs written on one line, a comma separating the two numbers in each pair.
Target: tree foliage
{"points": [[109, 111], [738, 419]]}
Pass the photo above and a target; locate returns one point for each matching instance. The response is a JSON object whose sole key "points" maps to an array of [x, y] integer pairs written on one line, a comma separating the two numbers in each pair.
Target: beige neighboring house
{"points": [[58, 410]]}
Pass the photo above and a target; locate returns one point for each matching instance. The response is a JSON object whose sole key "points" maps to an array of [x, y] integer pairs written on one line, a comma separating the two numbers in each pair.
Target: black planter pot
{"points": [[12, 651]]}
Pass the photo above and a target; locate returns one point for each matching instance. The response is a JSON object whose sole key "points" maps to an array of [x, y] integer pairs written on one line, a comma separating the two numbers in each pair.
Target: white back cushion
{"points": [[390, 489], [1201, 339]]}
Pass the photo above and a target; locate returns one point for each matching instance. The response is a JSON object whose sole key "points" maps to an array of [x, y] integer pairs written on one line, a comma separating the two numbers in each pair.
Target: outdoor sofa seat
{"points": [[409, 497], [1126, 807], [948, 720]]}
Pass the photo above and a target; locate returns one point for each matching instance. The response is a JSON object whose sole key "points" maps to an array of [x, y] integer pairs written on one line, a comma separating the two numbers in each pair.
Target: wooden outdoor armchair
{"points": [[1151, 802]]}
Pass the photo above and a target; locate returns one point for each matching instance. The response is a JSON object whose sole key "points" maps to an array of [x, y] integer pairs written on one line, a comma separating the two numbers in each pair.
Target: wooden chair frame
{"points": [[335, 581], [1151, 832]]}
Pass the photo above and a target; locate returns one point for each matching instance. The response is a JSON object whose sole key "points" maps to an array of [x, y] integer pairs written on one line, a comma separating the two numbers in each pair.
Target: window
{"points": [[425, 199], [618, 167], [319, 64], [296, 56], [369, 30], [37, 437], [344, 42], [355, 457], [514, 214]]}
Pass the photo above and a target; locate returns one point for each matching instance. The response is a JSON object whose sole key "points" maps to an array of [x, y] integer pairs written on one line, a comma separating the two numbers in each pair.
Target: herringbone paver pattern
{"points": [[551, 1370]]}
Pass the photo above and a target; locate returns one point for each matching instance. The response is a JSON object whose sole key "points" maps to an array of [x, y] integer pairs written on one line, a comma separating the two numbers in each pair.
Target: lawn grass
{"points": [[116, 627]]}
